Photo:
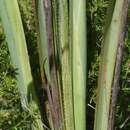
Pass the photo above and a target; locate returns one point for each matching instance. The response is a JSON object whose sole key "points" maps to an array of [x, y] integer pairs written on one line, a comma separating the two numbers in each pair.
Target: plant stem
{"points": [[79, 65], [11, 20], [115, 86], [108, 60]]}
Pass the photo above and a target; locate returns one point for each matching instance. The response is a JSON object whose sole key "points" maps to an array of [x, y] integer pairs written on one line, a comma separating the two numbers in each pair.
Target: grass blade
{"points": [[79, 54], [48, 62], [107, 67], [63, 51], [11, 19]]}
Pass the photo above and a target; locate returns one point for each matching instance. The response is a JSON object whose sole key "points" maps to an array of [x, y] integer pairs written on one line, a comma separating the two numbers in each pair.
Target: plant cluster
{"points": [[43, 68]]}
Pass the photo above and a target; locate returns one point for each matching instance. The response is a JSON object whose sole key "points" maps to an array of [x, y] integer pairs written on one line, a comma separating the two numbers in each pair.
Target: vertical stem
{"points": [[62, 48], [79, 54], [108, 59], [11, 20], [115, 85]]}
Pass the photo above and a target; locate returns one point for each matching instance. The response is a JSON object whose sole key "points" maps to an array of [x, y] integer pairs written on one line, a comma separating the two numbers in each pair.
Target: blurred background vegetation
{"points": [[11, 115]]}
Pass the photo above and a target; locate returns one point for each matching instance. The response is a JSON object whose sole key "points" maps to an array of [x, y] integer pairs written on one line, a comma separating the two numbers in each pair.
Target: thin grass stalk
{"points": [[48, 62], [11, 20], [108, 59], [57, 50], [79, 56], [63, 48], [42, 47], [66, 61], [119, 58], [43, 50]]}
